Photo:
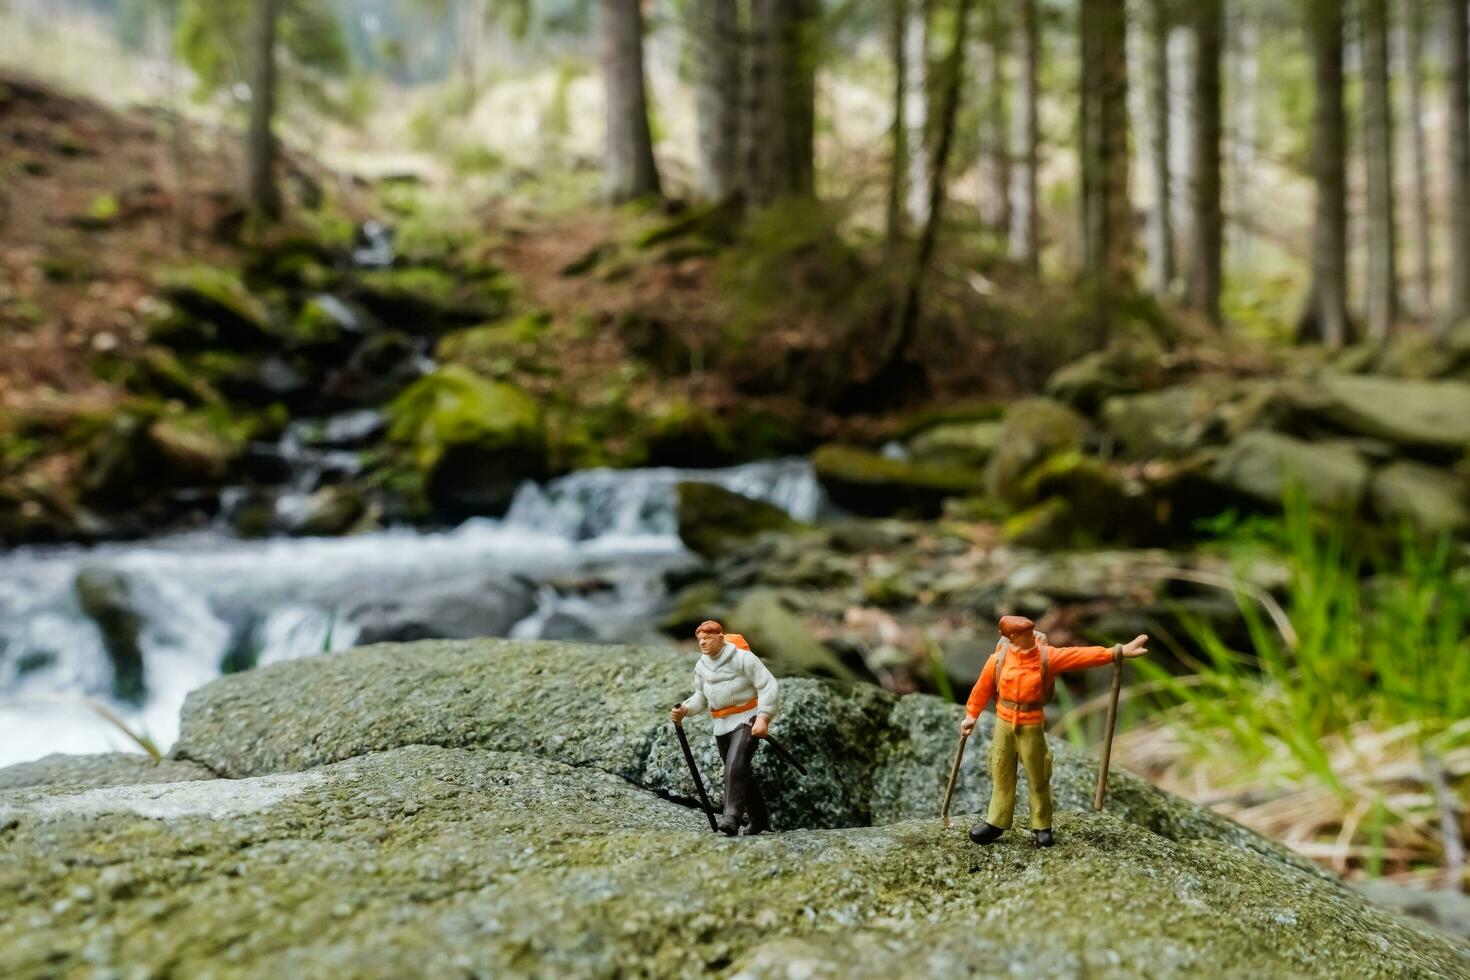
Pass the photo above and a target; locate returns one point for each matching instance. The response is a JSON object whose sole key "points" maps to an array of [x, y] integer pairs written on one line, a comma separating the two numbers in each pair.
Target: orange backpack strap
{"points": [[1048, 680], [738, 640]]}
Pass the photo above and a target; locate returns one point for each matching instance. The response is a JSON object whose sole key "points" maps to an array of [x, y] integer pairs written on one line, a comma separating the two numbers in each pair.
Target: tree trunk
{"points": [[916, 108], [1025, 244], [800, 45], [902, 336], [995, 158], [1381, 287], [715, 32], [780, 119], [1161, 265], [1207, 225], [628, 168], [1106, 215], [262, 196], [1244, 88], [1458, 134], [1325, 316], [1414, 56], [900, 142]]}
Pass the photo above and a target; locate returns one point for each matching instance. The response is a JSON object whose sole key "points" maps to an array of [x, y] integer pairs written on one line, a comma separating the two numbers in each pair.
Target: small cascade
{"points": [[201, 603]]}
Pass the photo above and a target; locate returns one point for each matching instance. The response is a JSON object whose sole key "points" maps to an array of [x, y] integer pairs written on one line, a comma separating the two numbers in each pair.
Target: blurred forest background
{"points": [[1125, 314]]}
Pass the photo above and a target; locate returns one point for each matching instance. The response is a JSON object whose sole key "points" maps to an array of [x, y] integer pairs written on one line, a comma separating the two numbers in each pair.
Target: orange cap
{"points": [[1010, 625], [709, 626]]}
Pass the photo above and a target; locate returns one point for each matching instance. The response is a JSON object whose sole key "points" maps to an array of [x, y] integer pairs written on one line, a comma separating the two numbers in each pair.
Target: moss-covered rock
{"points": [[1429, 415], [211, 307], [1177, 421], [781, 637], [473, 439], [59, 773], [1428, 498], [433, 861], [712, 518], [1034, 429], [966, 444], [110, 599], [1266, 466], [870, 483], [427, 300], [1119, 369], [502, 808]]}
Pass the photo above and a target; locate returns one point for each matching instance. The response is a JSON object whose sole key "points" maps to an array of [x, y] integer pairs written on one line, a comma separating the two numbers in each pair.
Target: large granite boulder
{"points": [[413, 857], [1426, 415], [1428, 498], [1269, 466], [1034, 430], [454, 609]]}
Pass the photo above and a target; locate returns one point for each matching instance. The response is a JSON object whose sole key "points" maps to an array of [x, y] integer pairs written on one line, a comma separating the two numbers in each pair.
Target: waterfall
{"points": [[205, 600]]}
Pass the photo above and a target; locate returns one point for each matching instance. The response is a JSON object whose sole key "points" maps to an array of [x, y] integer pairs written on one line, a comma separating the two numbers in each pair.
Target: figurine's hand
{"points": [[1136, 648], [760, 726], [967, 726], [679, 713]]}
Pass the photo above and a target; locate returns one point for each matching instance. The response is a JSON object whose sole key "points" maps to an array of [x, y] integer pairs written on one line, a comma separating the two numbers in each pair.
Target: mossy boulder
{"points": [[1427, 498], [1034, 429], [111, 600], [1105, 504], [1177, 421], [1119, 369], [488, 347], [59, 773], [500, 808], [1419, 414], [712, 518], [434, 861], [427, 300], [964, 444], [475, 440], [212, 307], [875, 485], [1266, 466], [142, 448], [779, 635]]}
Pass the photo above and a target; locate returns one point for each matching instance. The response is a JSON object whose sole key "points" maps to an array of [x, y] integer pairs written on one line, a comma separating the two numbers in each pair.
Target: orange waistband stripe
{"points": [[735, 709]]}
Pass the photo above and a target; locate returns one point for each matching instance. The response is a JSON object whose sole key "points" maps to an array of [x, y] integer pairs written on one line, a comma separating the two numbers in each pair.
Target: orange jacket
{"points": [[1020, 680]]}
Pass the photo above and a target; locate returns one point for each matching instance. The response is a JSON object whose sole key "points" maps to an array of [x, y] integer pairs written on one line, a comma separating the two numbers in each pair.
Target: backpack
{"points": [[738, 640], [1048, 679]]}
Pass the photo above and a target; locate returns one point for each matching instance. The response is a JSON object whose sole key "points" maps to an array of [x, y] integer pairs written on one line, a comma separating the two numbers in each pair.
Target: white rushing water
{"points": [[202, 596]]}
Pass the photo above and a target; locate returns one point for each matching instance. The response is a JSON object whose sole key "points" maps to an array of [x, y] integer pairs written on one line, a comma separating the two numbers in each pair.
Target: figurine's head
{"points": [[711, 636], [1018, 629]]}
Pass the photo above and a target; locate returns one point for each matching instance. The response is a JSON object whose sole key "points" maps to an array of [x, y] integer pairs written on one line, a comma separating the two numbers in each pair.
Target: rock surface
{"points": [[401, 821]]}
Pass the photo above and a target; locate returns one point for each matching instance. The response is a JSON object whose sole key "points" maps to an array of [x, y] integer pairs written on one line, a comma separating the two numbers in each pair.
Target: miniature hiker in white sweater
{"points": [[742, 697]]}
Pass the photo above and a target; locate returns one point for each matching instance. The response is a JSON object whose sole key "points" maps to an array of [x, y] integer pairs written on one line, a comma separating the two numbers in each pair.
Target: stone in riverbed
{"points": [[483, 605], [712, 518], [874, 485]]}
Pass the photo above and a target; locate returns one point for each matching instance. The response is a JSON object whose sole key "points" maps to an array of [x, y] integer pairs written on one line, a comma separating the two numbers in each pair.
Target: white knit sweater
{"points": [[733, 676]]}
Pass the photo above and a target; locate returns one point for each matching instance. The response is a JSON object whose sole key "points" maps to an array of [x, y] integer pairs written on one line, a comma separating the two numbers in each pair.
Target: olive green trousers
{"points": [[1028, 742]]}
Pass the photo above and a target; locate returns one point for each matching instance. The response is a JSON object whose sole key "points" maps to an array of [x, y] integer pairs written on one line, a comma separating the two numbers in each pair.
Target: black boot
{"points": [[984, 833], [728, 827], [1044, 838]]}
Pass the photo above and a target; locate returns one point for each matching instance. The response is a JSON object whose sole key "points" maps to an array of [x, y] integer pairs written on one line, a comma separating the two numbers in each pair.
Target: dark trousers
{"points": [[742, 791]]}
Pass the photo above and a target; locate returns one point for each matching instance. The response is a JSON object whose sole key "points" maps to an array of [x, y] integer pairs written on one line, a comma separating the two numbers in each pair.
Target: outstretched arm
{"points": [[1067, 659]]}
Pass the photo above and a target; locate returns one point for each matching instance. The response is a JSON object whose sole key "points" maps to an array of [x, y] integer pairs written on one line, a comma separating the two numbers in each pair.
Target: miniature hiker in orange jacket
{"points": [[1027, 668]]}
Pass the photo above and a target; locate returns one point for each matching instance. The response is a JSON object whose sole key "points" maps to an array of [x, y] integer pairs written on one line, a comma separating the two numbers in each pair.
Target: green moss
{"points": [[456, 407], [712, 518], [869, 483]]}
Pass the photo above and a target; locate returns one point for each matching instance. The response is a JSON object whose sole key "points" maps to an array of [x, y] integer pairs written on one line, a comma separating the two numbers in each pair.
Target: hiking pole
{"points": [[954, 774], [1107, 749], [783, 754], [694, 771]]}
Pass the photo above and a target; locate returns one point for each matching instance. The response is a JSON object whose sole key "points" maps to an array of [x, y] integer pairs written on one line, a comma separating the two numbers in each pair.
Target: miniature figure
{"points": [[1021, 676], [742, 697]]}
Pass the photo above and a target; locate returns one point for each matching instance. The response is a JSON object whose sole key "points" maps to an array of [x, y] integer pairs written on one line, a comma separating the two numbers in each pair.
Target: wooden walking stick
{"points": [[954, 774], [1107, 749]]}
